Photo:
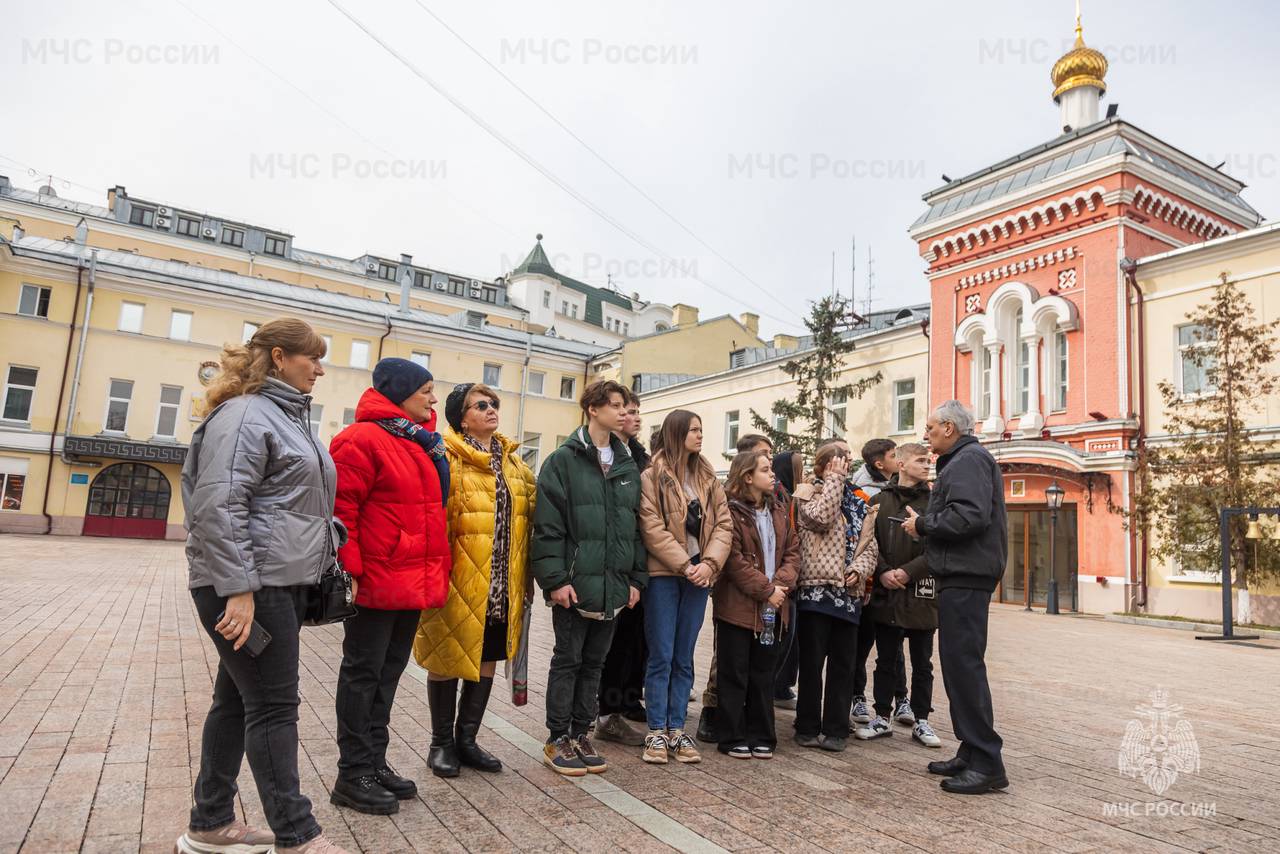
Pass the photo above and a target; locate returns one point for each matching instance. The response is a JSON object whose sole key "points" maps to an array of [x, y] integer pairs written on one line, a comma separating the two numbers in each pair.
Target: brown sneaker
{"points": [[655, 747], [562, 757], [234, 838], [683, 748], [319, 845], [618, 728], [587, 753]]}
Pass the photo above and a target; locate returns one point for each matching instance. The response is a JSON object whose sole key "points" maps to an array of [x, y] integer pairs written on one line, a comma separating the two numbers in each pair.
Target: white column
{"points": [[994, 425], [1032, 420]]}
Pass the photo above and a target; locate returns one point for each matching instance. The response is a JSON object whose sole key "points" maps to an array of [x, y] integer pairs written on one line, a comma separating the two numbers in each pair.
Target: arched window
{"points": [[1021, 368]]}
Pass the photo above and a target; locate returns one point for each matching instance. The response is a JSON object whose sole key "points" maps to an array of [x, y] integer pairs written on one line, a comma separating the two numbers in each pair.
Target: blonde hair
{"points": [[245, 367], [912, 449]]}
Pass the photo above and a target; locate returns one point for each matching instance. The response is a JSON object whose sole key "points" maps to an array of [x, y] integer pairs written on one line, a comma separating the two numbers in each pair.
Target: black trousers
{"points": [[573, 682], [375, 650], [889, 646], [867, 642], [829, 641], [962, 645], [788, 657], [744, 682], [255, 715], [622, 679]]}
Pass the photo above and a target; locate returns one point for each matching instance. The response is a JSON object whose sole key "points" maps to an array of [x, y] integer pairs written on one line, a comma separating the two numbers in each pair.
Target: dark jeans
{"points": [[622, 680], [255, 715], [574, 679], [745, 683], [375, 650], [920, 642], [831, 641], [867, 642], [674, 609], [788, 657], [962, 646]]}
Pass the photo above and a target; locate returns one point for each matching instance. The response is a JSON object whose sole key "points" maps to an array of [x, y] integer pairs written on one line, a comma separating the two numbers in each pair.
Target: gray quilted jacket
{"points": [[258, 490]]}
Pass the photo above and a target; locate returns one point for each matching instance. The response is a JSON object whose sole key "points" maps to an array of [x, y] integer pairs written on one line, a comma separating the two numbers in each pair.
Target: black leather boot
{"points": [[475, 697], [442, 696]]}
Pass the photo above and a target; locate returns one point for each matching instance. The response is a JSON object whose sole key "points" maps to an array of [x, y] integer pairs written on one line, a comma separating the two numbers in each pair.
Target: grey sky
{"points": [[773, 131]]}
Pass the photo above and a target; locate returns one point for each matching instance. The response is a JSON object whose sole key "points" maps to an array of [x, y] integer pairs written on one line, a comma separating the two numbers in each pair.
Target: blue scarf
{"points": [[431, 442]]}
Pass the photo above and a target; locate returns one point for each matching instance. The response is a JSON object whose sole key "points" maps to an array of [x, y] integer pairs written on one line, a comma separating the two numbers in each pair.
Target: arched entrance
{"points": [[128, 500]]}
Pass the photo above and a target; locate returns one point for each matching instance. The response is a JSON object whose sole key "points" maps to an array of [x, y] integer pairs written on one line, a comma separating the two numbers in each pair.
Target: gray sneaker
{"points": [[618, 729], [861, 712], [903, 714]]}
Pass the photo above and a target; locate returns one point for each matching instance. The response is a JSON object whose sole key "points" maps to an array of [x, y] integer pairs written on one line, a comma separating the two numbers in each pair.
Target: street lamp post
{"points": [[1053, 495]]}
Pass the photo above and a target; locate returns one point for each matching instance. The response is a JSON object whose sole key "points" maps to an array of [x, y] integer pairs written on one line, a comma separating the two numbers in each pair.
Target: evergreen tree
{"points": [[1212, 459], [817, 373]]}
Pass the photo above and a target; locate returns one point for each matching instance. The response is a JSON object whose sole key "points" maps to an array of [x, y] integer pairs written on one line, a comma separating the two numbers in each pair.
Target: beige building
{"points": [[1174, 283], [894, 343]]}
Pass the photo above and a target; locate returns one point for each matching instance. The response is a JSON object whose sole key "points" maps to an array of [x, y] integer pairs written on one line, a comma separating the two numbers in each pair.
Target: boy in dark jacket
{"points": [[590, 563], [904, 601]]}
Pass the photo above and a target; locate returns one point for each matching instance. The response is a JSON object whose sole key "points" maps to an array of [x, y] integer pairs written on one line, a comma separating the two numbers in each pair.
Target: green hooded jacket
{"points": [[586, 529]]}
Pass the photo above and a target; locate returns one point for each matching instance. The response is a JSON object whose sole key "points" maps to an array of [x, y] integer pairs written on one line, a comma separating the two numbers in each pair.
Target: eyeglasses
{"points": [[485, 405]]}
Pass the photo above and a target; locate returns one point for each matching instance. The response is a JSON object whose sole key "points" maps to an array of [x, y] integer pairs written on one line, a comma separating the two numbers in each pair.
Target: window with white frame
{"points": [[420, 358], [167, 417], [1196, 347], [119, 393], [34, 301], [348, 417], [317, 415], [837, 408], [780, 423], [1059, 370], [180, 325], [537, 381], [568, 387], [492, 375], [359, 354], [19, 391], [130, 317], [573, 310], [546, 299], [248, 331], [328, 348], [1021, 369], [626, 328], [531, 450], [564, 306], [984, 384], [11, 488], [731, 429], [904, 406]]}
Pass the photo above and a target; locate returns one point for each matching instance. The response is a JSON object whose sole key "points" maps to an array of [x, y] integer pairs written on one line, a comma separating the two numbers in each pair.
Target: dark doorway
{"points": [[128, 500]]}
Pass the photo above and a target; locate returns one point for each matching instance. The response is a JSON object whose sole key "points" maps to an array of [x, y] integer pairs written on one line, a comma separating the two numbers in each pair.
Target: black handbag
{"points": [[330, 600]]}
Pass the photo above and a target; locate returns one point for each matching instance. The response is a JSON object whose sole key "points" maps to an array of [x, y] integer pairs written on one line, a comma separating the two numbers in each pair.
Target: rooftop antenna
{"points": [[871, 281], [853, 270], [833, 272]]}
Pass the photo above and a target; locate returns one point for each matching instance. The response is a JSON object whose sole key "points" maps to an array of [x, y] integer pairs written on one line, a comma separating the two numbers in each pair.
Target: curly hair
{"points": [[245, 367]]}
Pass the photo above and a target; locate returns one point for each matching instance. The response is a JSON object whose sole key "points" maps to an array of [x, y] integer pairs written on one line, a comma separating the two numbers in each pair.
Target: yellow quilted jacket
{"points": [[449, 639]]}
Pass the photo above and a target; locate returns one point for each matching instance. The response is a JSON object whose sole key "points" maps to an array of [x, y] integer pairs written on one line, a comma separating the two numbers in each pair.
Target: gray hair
{"points": [[958, 414]]}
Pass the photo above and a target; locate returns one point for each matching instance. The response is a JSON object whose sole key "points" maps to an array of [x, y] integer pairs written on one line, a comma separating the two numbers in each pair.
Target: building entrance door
{"points": [[128, 500], [1027, 568]]}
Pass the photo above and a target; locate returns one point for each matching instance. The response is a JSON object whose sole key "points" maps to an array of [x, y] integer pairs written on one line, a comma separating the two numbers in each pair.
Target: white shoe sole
{"points": [[187, 846], [920, 740], [871, 736]]}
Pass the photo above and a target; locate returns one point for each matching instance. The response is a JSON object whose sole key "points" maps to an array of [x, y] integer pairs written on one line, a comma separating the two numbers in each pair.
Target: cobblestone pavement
{"points": [[105, 679]]}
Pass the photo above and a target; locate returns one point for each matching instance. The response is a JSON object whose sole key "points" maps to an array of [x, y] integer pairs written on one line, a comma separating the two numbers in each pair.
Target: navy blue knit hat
{"points": [[398, 379]]}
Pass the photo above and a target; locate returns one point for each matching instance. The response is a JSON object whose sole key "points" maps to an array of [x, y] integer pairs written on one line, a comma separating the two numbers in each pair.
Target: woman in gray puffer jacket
{"points": [[258, 489]]}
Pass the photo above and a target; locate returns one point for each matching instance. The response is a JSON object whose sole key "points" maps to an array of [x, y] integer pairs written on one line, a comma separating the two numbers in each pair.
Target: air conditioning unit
{"points": [[163, 211], [442, 284], [371, 266], [162, 222], [475, 287], [210, 233]]}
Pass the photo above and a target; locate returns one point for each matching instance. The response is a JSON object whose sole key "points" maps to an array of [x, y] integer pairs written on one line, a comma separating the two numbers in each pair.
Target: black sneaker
{"points": [[402, 787], [707, 725], [587, 753], [805, 740], [364, 794]]}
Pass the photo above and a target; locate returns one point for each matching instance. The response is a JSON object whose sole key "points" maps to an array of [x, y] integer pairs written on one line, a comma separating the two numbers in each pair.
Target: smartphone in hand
{"points": [[257, 640], [898, 519]]}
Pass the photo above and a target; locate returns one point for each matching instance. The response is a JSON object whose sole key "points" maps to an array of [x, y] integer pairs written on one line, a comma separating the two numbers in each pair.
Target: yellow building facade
{"points": [[1173, 284]]}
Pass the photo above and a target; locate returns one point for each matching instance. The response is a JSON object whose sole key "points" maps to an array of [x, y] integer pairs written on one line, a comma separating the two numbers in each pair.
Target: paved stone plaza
{"points": [[105, 679]]}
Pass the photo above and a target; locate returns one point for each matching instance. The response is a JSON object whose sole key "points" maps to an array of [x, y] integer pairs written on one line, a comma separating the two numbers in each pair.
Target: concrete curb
{"points": [[1202, 628]]}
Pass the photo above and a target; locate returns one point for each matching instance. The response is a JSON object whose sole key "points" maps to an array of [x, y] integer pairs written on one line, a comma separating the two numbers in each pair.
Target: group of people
{"points": [[444, 534]]}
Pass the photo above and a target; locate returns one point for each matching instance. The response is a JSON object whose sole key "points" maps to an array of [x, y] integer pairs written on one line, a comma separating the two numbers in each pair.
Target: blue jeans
{"points": [[673, 612]]}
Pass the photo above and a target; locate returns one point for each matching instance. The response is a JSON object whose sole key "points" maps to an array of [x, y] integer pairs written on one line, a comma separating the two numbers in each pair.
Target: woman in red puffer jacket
{"points": [[392, 485]]}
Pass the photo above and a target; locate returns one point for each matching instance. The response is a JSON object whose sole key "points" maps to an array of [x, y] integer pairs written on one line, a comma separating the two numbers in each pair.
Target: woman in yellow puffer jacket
{"points": [[490, 513]]}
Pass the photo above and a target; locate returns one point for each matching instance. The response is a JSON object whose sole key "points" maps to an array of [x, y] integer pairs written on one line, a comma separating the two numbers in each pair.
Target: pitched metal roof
{"points": [[536, 262]]}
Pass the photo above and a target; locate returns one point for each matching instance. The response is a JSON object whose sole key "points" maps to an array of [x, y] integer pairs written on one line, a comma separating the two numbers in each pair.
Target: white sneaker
{"points": [[861, 713], [903, 713], [924, 734], [877, 728]]}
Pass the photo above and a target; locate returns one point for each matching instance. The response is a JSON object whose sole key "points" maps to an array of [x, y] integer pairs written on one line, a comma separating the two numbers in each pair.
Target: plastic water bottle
{"points": [[769, 616]]}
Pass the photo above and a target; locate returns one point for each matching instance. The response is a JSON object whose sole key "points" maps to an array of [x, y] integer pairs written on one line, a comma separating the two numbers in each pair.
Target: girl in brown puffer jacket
{"points": [[762, 566]]}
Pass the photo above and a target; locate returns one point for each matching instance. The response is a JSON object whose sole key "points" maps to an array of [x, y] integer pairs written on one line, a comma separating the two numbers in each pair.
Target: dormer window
{"points": [[386, 271], [232, 236], [142, 216], [274, 245]]}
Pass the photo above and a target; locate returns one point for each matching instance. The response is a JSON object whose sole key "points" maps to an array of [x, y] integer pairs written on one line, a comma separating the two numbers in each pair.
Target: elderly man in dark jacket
{"points": [[965, 530]]}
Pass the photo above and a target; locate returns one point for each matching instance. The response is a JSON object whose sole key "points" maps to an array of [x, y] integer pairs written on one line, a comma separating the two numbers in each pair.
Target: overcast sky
{"points": [[772, 132]]}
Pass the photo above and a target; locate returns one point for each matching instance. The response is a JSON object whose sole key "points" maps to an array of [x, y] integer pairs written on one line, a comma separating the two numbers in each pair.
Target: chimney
{"points": [[684, 315], [785, 342], [405, 259], [751, 321], [116, 192], [4, 185], [82, 232]]}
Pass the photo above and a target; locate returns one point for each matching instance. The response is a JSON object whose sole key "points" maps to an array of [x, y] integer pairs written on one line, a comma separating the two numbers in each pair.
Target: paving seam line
{"points": [[634, 810]]}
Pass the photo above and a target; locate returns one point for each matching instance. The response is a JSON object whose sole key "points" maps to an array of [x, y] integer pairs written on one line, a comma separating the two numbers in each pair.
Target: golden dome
{"points": [[1080, 66]]}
